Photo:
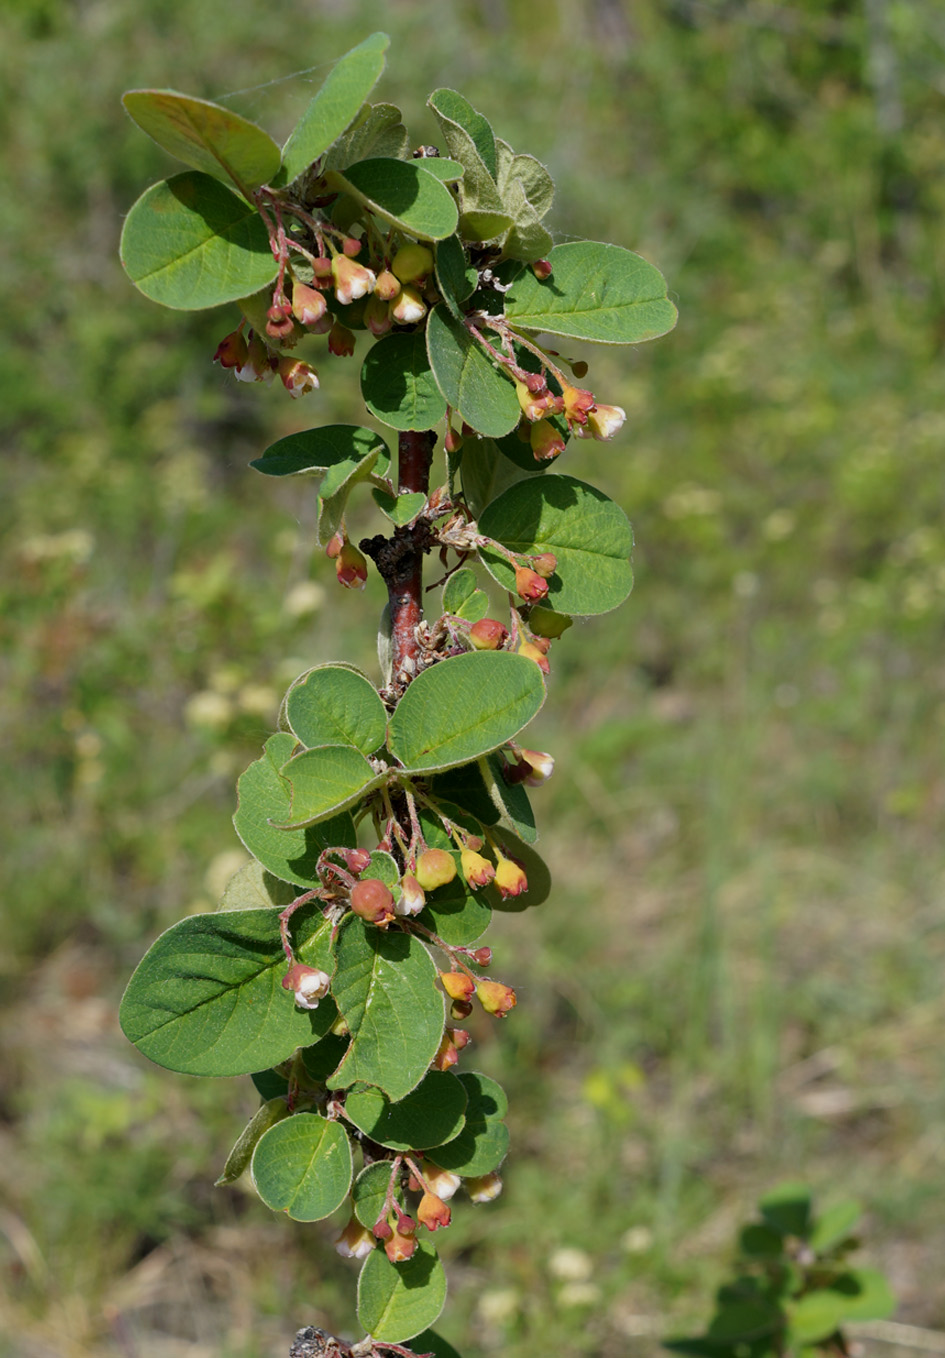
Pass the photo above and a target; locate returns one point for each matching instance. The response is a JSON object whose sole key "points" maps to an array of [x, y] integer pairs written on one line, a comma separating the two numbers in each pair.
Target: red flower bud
{"points": [[408, 306], [488, 634], [461, 1009], [351, 247], [540, 766], [279, 322], [400, 1247], [232, 351], [453, 441], [371, 900], [297, 377], [542, 269], [351, 280], [529, 584], [433, 1212], [340, 340], [435, 867], [310, 984], [412, 899], [377, 316], [350, 565], [495, 998], [483, 956], [308, 304], [321, 268], [577, 404], [356, 860]]}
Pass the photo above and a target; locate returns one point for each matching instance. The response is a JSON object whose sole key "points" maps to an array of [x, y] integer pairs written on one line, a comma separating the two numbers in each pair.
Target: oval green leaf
{"points": [[596, 292], [263, 802], [451, 107], [398, 385], [206, 136], [324, 781], [467, 377], [302, 1166], [190, 243], [432, 1113], [207, 997], [335, 705], [464, 707], [400, 509], [337, 454], [589, 534], [397, 1301], [483, 1143], [402, 193], [335, 106], [385, 988]]}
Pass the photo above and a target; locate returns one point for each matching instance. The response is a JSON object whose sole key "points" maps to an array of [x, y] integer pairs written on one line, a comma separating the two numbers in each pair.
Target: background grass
{"points": [[739, 976]]}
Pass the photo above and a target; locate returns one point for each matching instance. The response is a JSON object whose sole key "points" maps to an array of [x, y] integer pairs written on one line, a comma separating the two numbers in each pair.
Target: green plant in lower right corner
{"points": [[794, 1289]]}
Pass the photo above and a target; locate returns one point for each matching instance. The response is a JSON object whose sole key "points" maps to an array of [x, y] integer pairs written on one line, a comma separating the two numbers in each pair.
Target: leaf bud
{"points": [[433, 1212], [488, 634], [545, 564], [377, 316], [495, 998], [542, 269], [355, 1241], [546, 441], [279, 322], [477, 870], [412, 262], [435, 867], [529, 584], [531, 652], [232, 351], [310, 984], [308, 304], [442, 1182], [483, 956], [340, 340], [351, 246], [387, 286], [408, 307], [461, 1009], [510, 879], [545, 622], [351, 280], [484, 1189], [457, 984], [412, 899], [297, 377], [373, 902]]}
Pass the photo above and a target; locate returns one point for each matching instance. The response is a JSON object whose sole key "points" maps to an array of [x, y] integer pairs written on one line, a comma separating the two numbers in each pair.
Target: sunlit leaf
{"points": [[206, 136]]}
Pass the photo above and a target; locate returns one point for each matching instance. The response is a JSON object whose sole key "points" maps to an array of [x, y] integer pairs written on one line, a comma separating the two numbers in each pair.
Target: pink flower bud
{"points": [[484, 1189], [488, 634], [433, 1212], [310, 984], [457, 985], [232, 351], [260, 366], [546, 441], [531, 652], [351, 280], [510, 878], [355, 1241], [321, 268], [297, 377], [545, 564], [351, 246], [577, 404], [408, 307], [400, 1247], [377, 316], [372, 902], [541, 766], [412, 900], [279, 322], [412, 262], [308, 304], [477, 870], [442, 1182], [535, 407], [605, 421], [387, 286], [356, 860], [435, 867], [382, 1230], [529, 584], [340, 340], [350, 565], [542, 269], [495, 998]]}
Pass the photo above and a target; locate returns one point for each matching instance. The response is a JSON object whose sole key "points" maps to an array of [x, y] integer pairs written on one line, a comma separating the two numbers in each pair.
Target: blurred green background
{"points": [[739, 978]]}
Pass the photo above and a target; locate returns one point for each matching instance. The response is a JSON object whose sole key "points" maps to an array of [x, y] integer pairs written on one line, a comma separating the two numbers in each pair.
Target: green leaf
{"points": [[369, 1193], [397, 1301], [481, 789], [324, 781], [457, 280], [526, 239], [747, 1319], [303, 1167], [787, 1209], [459, 587], [402, 193], [336, 105], [455, 914], [453, 111], [383, 868], [190, 243], [253, 888], [378, 130], [816, 1315], [834, 1225], [207, 997], [521, 168], [206, 136], [397, 384], [381, 979], [336, 705], [475, 607], [468, 378], [866, 1294], [339, 455], [431, 1342], [464, 707], [432, 1113], [580, 525], [442, 168], [321, 1058], [596, 292], [400, 509], [488, 470], [266, 1116], [264, 800], [759, 1242], [483, 1143]]}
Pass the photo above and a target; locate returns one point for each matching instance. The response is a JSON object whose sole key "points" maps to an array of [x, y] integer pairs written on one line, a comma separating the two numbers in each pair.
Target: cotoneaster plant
{"points": [[387, 821]]}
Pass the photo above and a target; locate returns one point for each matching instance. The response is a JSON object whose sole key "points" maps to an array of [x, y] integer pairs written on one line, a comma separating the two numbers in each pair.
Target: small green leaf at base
{"points": [[336, 705], [397, 1301]]}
